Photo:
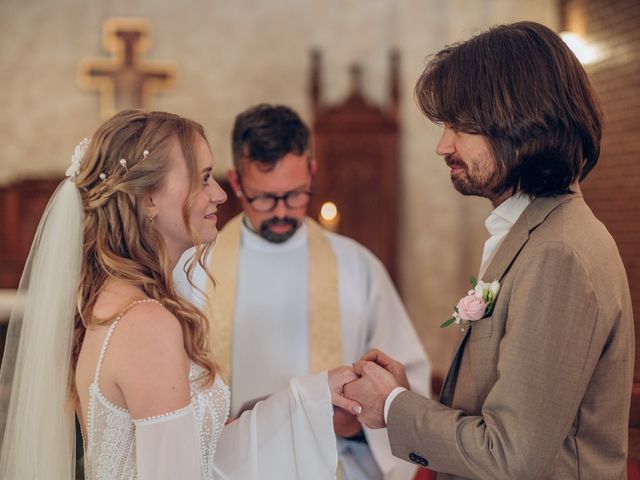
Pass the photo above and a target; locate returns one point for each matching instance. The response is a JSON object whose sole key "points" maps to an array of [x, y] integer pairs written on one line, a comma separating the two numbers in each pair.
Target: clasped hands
{"points": [[359, 392]]}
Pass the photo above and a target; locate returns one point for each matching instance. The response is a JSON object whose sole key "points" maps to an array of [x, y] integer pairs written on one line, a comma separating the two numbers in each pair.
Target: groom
{"points": [[540, 383]]}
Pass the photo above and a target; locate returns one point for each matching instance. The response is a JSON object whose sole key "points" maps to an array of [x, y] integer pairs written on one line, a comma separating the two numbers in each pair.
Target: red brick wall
{"points": [[613, 188]]}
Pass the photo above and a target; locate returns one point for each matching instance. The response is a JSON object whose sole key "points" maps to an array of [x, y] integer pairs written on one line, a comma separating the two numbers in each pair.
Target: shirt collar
{"points": [[506, 214]]}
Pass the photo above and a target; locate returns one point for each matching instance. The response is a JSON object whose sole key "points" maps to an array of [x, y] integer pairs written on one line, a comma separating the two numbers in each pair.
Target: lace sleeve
{"points": [[288, 436], [168, 446]]}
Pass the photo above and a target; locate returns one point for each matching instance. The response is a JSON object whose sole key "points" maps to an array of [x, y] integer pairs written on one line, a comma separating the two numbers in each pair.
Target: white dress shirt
{"points": [[499, 223]]}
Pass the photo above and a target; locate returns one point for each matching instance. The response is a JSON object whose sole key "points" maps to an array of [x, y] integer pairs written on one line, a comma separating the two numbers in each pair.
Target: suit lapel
{"points": [[517, 237], [513, 243], [508, 250], [449, 385]]}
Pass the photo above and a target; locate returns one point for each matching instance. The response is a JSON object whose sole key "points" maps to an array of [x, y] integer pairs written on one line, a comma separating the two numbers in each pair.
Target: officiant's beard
{"points": [[274, 237]]}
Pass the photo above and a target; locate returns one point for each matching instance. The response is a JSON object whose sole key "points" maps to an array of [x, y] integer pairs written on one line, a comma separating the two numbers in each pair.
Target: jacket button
{"points": [[415, 458]]}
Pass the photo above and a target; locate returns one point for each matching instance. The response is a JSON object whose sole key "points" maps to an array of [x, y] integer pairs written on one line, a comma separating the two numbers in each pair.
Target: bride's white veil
{"points": [[36, 419]]}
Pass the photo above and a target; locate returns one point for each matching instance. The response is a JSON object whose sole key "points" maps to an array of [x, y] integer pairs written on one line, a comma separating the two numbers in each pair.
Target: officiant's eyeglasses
{"points": [[267, 202]]}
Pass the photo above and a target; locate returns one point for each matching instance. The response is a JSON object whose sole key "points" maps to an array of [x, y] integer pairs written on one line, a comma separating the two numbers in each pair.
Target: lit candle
{"points": [[329, 216]]}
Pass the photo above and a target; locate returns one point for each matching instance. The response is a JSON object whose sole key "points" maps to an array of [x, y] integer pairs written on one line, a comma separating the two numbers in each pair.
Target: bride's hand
{"points": [[337, 378]]}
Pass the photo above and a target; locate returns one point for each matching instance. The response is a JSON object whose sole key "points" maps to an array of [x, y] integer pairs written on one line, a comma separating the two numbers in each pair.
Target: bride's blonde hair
{"points": [[127, 159]]}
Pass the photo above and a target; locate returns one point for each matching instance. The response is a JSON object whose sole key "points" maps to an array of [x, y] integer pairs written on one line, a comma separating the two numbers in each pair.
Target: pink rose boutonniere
{"points": [[476, 305]]}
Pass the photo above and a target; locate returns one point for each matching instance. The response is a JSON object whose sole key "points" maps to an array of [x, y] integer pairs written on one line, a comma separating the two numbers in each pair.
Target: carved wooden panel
{"points": [[21, 206], [356, 146]]}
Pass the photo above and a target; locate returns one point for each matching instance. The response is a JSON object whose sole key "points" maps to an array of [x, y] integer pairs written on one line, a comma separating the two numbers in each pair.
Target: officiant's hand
{"points": [[392, 366], [337, 378], [371, 390]]}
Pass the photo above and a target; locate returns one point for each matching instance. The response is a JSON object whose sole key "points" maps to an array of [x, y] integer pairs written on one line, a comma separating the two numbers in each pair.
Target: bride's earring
{"points": [[151, 217]]}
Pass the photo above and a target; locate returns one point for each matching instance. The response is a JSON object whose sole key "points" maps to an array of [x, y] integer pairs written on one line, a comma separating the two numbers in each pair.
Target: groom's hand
{"points": [[371, 390], [392, 366]]}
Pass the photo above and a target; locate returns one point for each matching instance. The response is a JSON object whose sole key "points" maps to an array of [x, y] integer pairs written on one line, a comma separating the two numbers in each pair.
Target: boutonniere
{"points": [[477, 304]]}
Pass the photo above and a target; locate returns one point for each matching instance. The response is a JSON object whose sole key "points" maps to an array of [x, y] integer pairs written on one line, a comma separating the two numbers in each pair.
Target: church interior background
{"points": [[210, 59]]}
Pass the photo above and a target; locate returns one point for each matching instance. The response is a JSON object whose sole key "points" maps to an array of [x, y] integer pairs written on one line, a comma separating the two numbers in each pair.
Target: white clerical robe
{"points": [[270, 330]]}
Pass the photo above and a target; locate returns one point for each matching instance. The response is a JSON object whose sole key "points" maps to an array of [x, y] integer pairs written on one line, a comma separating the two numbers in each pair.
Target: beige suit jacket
{"points": [[543, 386]]}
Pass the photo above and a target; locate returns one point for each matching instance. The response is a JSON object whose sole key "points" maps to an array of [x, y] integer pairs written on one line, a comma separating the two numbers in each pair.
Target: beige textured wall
{"points": [[232, 54]]}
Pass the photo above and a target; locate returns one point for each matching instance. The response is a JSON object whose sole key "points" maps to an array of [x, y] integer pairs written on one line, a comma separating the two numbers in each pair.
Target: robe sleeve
{"points": [[287, 436]]}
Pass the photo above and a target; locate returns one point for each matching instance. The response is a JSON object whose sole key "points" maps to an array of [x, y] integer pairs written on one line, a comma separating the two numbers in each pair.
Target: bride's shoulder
{"points": [[147, 326], [141, 317], [151, 365]]}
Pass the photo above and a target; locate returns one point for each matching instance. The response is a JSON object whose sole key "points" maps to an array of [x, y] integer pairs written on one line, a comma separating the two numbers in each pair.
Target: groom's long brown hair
{"points": [[523, 89]]}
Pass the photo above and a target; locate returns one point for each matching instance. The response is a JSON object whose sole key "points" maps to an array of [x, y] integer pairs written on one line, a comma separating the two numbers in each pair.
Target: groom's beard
{"points": [[275, 237], [475, 178]]}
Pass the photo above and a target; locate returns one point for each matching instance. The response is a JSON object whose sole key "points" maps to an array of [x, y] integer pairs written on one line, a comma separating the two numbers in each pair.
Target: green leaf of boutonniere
{"points": [[473, 280], [447, 322]]}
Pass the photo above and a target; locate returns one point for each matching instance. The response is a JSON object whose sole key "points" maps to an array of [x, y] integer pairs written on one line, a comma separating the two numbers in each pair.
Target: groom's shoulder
{"points": [[574, 224], [573, 231]]}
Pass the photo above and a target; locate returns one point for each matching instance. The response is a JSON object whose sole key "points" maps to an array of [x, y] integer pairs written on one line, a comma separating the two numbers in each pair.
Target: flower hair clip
{"points": [[76, 158]]}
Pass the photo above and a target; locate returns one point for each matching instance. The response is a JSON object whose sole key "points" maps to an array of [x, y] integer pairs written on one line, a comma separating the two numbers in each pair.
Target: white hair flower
{"points": [[76, 158]]}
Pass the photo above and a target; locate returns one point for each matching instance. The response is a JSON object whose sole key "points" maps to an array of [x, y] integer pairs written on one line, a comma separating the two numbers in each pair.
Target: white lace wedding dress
{"points": [[288, 436]]}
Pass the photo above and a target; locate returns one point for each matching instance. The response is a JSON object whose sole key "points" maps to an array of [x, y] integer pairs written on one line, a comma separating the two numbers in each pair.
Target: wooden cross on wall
{"points": [[125, 80]]}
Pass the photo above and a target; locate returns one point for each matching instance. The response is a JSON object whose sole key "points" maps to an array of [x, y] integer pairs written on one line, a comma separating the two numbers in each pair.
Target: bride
{"points": [[104, 335]]}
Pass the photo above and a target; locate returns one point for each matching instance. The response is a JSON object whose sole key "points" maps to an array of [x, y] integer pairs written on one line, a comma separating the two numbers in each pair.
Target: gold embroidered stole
{"points": [[325, 330]]}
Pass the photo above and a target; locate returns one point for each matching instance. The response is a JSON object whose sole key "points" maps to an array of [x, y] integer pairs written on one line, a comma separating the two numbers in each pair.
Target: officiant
{"points": [[291, 297]]}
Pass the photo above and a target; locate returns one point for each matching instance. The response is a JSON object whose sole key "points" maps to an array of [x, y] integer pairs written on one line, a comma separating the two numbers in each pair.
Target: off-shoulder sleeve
{"points": [[168, 446]]}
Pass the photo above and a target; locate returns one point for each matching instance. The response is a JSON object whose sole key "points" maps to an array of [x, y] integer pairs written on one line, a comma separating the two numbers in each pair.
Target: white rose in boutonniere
{"points": [[476, 305]]}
